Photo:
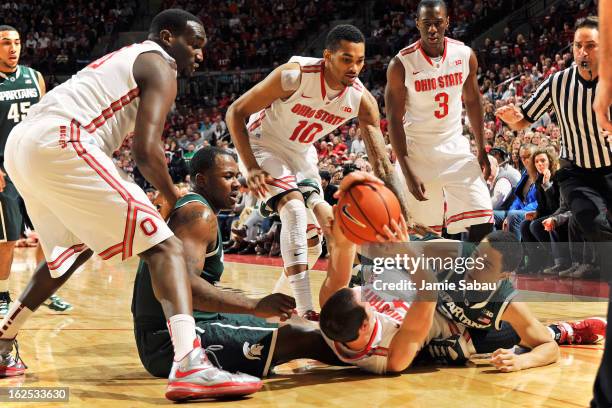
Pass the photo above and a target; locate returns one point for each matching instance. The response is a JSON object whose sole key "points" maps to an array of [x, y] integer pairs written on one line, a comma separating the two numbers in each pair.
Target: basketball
{"points": [[364, 210]]}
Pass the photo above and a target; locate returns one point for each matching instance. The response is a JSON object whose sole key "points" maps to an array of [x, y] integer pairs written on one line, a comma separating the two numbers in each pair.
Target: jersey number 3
{"points": [[306, 134], [442, 99]]}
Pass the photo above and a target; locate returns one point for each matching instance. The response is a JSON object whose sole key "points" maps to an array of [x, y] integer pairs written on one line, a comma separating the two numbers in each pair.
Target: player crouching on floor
{"points": [[237, 342]]}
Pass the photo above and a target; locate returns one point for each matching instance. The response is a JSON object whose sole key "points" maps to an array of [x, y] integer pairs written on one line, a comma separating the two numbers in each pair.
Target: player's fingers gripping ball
{"points": [[364, 210]]}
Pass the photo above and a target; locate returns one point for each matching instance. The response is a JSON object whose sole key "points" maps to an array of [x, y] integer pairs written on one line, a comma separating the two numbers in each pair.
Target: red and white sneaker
{"points": [[10, 366], [587, 331], [195, 377]]}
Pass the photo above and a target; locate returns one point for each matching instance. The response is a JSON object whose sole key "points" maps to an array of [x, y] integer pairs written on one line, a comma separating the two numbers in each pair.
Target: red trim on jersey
{"points": [[111, 251], [133, 205], [110, 111], [363, 352], [258, 121], [144, 229], [445, 48], [280, 184], [468, 215], [75, 249], [322, 76], [357, 86], [410, 49], [425, 55]]}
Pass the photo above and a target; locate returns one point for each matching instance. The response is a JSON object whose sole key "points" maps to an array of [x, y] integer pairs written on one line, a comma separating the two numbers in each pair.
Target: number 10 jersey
{"points": [[307, 115]]}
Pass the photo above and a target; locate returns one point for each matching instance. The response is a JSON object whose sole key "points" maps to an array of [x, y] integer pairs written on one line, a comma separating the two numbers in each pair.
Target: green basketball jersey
{"points": [[18, 91], [147, 311]]}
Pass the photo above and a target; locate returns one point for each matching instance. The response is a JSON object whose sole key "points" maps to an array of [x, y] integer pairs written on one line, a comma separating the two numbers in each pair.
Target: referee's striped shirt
{"points": [[572, 97]]}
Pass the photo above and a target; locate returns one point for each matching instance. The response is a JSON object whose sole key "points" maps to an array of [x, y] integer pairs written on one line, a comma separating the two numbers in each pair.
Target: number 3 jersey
{"points": [[18, 91], [307, 115], [102, 97], [434, 91]]}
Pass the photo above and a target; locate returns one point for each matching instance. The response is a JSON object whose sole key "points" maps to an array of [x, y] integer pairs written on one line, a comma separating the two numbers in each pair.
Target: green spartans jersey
{"points": [[478, 309], [147, 311], [18, 91]]}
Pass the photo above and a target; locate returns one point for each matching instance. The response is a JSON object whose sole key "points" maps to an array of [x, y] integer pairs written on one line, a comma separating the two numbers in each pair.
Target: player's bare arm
{"points": [[395, 100], [533, 334], [280, 84], [157, 83], [196, 226], [369, 123], [475, 113]]}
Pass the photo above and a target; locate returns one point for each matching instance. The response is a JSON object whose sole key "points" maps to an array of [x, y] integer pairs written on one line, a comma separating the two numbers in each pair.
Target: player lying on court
{"points": [[59, 158], [363, 329], [238, 342], [298, 103]]}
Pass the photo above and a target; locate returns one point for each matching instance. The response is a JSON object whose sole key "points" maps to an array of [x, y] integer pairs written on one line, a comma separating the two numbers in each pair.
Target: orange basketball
{"points": [[364, 210]]}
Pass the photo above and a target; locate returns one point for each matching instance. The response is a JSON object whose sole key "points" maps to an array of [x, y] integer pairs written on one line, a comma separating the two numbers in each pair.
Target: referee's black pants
{"points": [[589, 194]]}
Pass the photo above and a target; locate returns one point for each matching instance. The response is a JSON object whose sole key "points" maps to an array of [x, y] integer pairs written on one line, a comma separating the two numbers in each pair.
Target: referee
{"points": [[586, 174], [586, 160]]}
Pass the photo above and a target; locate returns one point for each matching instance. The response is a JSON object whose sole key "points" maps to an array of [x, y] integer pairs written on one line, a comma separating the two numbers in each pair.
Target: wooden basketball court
{"points": [[92, 351]]}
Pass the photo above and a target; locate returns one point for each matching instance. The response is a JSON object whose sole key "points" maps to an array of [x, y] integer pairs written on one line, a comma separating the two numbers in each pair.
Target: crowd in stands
{"points": [[526, 198], [58, 36]]}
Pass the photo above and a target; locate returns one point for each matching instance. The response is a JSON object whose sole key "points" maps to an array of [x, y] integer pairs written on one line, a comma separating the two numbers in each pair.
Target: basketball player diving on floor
{"points": [[59, 158], [238, 342], [426, 83], [368, 331]]}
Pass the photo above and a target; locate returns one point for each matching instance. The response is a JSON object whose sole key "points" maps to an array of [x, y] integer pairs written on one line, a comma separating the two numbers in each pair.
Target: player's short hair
{"points": [[431, 4], [342, 316], [343, 32], [588, 22], [204, 160], [6, 27], [509, 247], [173, 20]]}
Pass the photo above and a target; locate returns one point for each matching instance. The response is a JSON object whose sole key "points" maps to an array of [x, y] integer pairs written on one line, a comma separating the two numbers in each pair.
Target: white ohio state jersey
{"points": [[434, 90], [388, 319], [102, 97], [307, 115]]}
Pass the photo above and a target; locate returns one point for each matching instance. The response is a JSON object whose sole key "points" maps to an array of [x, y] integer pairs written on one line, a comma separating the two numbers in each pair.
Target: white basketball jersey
{"points": [[434, 91], [306, 116], [102, 97], [388, 318]]}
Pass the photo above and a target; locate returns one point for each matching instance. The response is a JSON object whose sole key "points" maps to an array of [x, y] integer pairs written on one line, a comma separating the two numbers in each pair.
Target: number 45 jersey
{"points": [[434, 90], [18, 91], [309, 114]]}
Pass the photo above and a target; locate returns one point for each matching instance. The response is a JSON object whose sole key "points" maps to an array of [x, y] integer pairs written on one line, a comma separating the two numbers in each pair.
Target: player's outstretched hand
{"points": [[603, 100], [509, 113], [506, 361], [355, 177], [396, 232], [256, 182], [275, 305]]}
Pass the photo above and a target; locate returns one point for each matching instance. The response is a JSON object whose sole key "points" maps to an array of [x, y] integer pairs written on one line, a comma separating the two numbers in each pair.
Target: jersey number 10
{"points": [[18, 111], [306, 134]]}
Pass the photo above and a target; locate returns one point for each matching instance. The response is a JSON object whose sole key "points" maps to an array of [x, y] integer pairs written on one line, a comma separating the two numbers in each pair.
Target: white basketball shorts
{"points": [[75, 195]]}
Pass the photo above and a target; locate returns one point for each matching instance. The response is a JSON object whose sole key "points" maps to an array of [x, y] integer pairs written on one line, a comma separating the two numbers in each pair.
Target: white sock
{"points": [[300, 284], [282, 285], [183, 335], [4, 285], [14, 319]]}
